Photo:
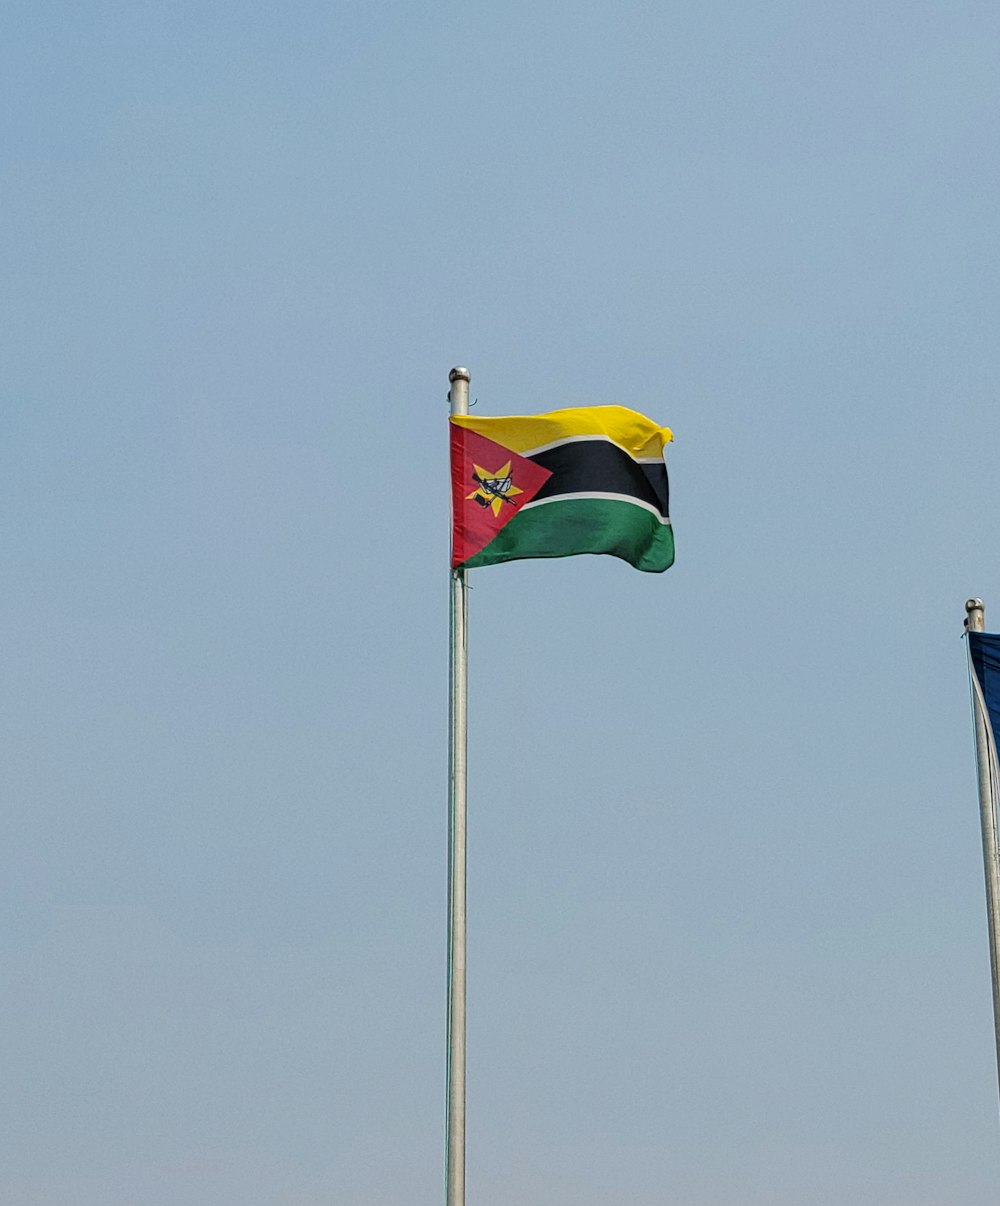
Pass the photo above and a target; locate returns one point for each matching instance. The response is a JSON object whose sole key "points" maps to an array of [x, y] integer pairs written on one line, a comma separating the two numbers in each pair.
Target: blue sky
{"points": [[727, 928]]}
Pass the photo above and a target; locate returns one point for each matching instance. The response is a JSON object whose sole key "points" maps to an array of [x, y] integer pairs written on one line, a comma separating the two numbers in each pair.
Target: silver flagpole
{"points": [[986, 763], [457, 781]]}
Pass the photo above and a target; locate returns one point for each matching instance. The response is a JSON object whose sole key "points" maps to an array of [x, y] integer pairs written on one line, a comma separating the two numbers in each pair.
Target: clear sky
{"points": [[727, 928]]}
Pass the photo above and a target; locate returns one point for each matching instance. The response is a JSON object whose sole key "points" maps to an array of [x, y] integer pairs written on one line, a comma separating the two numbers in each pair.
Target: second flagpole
{"points": [[986, 768], [457, 780]]}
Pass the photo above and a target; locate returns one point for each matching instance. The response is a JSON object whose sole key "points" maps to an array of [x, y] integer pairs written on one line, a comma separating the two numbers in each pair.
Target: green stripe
{"points": [[583, 525]]}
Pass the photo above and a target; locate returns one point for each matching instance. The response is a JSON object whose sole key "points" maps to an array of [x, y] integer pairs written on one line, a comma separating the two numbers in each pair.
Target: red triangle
{"points": [[478, 513]]}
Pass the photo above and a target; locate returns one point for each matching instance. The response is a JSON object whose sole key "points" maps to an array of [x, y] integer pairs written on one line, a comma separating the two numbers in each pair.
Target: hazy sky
{"points": [[727, 928]]}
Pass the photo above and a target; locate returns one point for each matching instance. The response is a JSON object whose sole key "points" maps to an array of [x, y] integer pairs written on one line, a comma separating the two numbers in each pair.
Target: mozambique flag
{"points": [[586, 480]]}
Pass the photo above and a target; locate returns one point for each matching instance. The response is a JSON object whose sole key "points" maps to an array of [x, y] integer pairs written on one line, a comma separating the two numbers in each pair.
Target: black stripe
{"points": [[585, 465]]}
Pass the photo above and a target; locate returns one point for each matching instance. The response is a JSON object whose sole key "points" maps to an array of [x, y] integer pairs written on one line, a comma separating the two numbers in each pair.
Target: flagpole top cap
{"points": [[975, 615], [459, 374]]}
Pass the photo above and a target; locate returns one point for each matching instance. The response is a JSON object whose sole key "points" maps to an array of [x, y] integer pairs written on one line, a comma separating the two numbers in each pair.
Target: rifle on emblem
{"points": [[495, 487]]}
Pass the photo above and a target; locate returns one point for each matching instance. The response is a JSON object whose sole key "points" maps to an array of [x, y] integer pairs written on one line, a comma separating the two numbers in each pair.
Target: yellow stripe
{"points": [[628, 429]]}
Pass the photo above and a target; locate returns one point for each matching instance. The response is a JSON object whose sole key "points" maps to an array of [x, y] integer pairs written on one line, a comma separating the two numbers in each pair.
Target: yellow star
{"points": [[493, 489]]}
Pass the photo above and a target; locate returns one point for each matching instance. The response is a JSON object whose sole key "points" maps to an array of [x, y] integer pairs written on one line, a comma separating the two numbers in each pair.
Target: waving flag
{"points": [[584, 480]]}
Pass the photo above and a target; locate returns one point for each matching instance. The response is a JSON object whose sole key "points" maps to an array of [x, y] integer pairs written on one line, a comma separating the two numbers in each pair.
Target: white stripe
{"points": [[627, 498], [639, 460]]}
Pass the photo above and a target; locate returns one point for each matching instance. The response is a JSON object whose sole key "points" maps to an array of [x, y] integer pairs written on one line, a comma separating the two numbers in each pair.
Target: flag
{"points": [[585, 480], [984, 653]]}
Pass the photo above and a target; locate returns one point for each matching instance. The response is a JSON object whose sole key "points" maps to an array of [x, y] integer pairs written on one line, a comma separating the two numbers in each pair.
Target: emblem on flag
{"points": [[493, 489]]}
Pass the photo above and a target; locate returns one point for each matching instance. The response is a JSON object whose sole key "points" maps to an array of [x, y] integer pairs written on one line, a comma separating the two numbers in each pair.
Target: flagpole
{"points": [[975, 619], [457, 782]]}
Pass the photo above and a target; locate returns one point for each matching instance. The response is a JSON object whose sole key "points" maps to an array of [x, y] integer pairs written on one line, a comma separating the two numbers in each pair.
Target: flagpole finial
{"points": [[458, 395], [975, 615]]}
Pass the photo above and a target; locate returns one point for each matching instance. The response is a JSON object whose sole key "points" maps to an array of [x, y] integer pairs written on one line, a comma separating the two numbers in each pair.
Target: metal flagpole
{"points": [[989, 780], [457, 780]]}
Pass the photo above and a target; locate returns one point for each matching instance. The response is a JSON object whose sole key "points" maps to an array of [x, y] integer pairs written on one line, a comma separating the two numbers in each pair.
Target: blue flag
{"points": [[984, 650]]}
